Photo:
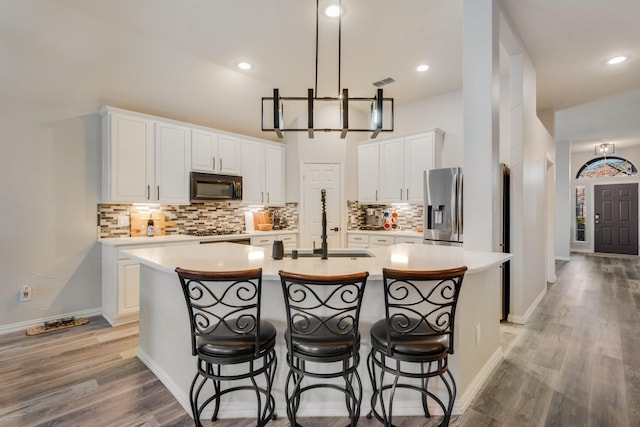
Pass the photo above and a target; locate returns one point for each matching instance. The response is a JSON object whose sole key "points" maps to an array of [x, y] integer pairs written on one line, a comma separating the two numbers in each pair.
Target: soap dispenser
{"points": [[150, 230]]}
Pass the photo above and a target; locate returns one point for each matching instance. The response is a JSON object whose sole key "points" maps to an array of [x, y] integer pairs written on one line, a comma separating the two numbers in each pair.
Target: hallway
{"points": [[575, 363]]}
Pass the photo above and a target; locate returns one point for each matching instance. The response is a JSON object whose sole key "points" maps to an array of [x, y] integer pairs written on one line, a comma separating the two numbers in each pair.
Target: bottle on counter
{"points": [[150, 230]]}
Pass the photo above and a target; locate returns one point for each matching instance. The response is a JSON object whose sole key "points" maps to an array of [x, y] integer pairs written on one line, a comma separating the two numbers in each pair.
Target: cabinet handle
{"points": [[268, 198], [262, 196], [158, 192], [401, 194], [220, 160], [214, 163], [407, 194], [148, 192], [376, 195]]}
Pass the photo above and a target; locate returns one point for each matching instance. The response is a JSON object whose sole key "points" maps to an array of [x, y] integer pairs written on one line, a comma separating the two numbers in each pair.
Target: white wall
{"points": [[49, 187], [442, 111]]}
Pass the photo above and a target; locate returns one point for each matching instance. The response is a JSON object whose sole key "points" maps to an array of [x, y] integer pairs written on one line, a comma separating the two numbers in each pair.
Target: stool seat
{"points": [[421, 345], [226, 343], [321, 342]]}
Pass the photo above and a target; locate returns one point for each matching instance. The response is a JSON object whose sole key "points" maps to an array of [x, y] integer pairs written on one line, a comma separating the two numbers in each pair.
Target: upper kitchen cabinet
{"points": [[215, 153], [368, 172], [172, 160], [398, 174], [144, 160], [127, 158], [262, 173]]}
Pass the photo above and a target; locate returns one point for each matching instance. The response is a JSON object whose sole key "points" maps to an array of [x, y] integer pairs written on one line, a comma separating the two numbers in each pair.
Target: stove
{"points": [[212, 232]]}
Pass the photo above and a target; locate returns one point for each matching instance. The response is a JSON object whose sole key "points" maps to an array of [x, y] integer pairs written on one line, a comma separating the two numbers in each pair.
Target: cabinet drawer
{"points": [[359, 238], [262, 241], [287, 238], [407, 239], [381, 240]]}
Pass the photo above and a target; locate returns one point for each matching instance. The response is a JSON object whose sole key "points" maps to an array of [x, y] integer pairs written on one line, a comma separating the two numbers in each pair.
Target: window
{"points": [[606, 166], [581, 213]]}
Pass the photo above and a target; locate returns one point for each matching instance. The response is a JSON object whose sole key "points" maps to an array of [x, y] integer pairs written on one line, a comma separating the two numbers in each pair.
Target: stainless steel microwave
{"points": [[208, 186]]}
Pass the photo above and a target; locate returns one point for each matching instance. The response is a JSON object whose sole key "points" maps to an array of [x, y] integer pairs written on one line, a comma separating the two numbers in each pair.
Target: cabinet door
{"points": [[128, 287], [391, 171], [368, 173], [229, 155], [253, 164], [274, 175], [129, 147], [418, 157], [204, 151], [173, 158], [408, 239]]}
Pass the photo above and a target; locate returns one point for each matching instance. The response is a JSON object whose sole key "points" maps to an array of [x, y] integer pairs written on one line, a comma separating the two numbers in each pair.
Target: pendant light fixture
{"points": [[380, 108]]}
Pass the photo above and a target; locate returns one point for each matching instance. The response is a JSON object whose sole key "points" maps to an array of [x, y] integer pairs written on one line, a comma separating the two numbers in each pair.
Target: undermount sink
{"points": [[334, 253]]}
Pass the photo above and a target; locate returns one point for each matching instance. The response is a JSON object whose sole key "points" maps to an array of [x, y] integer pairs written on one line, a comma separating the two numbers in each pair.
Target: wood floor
{"points": [[575, 363]]}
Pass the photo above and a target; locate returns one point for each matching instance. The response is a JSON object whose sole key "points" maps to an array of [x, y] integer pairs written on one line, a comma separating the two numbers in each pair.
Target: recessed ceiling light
{"points": [[332, 11], [422, 68], [617, 60], [244, 65]]}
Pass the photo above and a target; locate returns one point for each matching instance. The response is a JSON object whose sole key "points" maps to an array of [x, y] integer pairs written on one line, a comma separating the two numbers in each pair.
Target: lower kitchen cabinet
{"points": [[289, 241], [383, 238], [121, 282]]}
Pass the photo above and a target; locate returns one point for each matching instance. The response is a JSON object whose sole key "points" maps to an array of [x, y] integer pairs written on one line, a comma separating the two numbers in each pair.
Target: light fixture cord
{"points": [[339, 47], [316, 86]]}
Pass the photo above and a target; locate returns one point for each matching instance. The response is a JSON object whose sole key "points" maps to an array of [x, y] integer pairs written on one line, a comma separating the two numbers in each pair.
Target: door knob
{"points": [[335, 229]]}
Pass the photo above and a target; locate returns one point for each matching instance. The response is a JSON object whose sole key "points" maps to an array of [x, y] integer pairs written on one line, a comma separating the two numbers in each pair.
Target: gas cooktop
{"points": [[212, 232]]}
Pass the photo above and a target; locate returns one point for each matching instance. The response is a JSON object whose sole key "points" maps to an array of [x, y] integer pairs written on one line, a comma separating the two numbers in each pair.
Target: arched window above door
{"points": [[606, 166]]}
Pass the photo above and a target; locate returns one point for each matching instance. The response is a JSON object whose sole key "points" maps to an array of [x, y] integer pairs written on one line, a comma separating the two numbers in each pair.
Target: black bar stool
{"points": [[322, 328], [415, 338], [226, 332]]}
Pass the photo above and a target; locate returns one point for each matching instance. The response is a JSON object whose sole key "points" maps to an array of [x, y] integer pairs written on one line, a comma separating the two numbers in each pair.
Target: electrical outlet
{"points": [[123, 220], [24, 294], [478, 334]]}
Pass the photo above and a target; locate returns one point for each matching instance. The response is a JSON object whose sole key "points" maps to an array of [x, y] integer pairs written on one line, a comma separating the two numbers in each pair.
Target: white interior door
{"points": [[315, 177]]}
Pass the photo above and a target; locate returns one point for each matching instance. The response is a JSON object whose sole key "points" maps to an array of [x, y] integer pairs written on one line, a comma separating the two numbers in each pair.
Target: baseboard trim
{"points": [[485, 373], [15, 327], [563, 258], [521, 320], [164, 379]]}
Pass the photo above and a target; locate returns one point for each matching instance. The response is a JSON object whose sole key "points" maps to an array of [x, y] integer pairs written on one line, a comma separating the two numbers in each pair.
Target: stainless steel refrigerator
{"points": [[443, 206]]}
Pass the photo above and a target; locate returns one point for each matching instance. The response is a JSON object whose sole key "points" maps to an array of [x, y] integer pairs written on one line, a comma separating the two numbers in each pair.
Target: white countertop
{"points": [[171, 238], [229, 256]]}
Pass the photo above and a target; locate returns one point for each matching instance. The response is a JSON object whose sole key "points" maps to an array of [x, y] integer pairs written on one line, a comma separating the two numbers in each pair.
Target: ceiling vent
{"points": [[383, 82]]}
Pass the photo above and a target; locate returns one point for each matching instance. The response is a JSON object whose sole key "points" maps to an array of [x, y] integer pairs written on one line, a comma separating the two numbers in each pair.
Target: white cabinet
{"points": [[392, 170], [364, 240], [376, 240], [357, 241], [127, 158], [408, 239], [121, 282], [368, 172], [263, 174], [215, 153], [144, 160], [172, 162], [289, 241]]}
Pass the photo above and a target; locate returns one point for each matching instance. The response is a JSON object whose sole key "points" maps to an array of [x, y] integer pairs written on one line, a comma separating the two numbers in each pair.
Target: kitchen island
{"points": [[165, 347]]}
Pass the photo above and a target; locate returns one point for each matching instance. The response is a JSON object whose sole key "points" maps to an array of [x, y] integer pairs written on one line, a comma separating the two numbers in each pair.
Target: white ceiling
{"points": [[177, 58]]}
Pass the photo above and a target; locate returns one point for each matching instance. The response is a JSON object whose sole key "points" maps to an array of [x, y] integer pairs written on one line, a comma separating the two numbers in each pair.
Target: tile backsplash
{"points": [[187, 218], [409, 216]]}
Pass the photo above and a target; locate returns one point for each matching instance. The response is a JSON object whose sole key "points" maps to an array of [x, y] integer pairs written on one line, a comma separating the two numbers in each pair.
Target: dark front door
{"points": [[616, 218]]}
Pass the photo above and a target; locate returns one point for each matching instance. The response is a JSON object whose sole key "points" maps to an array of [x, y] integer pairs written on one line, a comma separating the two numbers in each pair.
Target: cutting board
{"points": [[261, 218], [138, 222]]}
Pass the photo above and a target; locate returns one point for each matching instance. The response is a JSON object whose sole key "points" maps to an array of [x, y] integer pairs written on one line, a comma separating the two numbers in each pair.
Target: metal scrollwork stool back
{"points": [[229, 339], [322, 337], [414, 339]]}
